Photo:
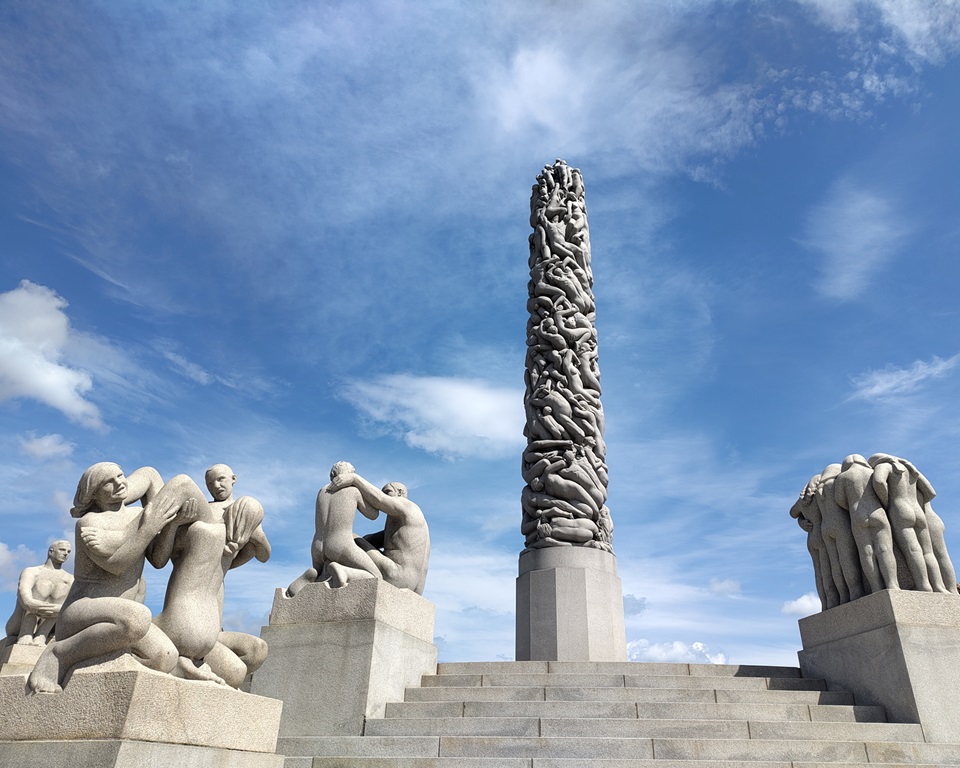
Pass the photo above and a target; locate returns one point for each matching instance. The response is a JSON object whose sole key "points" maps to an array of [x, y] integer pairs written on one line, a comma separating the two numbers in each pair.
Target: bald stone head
{"points": [[220, 480]]}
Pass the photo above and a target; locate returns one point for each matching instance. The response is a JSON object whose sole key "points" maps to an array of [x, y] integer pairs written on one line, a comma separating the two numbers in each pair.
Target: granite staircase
{"points": [[539, 714]]}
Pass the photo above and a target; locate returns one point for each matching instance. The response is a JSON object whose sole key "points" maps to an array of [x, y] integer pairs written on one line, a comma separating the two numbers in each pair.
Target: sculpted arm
{"points": [[257, 547], [28, 579], [879, 481], [134, 545], [371, 496], [143, 485]]}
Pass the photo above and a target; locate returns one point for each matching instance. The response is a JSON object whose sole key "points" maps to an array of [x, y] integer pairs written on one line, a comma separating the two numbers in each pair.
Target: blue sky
{"points": [[278, 235]]}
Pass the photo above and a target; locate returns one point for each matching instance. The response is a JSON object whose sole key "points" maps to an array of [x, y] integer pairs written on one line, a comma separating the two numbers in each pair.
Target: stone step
{"points": [[594, 750], [613, 668], [635, 728], [573, 680], [562, 693], [626, 709], [536, 762]]}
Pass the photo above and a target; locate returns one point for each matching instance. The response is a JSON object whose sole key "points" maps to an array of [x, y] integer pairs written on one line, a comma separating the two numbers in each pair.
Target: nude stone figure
{"points": [[838, 538], [402, 549], [224, 533], [896, 486], [103, 611], [334, 546], [807, 513], [854, 491], [40, 593]]}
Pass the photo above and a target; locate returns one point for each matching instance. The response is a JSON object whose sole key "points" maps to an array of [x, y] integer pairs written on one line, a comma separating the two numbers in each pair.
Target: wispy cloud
{"points": [[46, 446], [34, 330], [891, 381], [858, 231], [725, 587], [448, 416], [805, 605], [927, 30]]}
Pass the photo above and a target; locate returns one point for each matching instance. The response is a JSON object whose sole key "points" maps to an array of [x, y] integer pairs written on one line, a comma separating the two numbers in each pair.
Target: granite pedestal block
{"points": [[122, 715], [19, 659], [337, 656], [569, 606], [897, 649]]}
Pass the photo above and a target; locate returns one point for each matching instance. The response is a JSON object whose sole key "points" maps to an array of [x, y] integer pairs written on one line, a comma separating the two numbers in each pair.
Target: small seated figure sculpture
{"points": [[402, 549], [224, 534], [40, 593]]}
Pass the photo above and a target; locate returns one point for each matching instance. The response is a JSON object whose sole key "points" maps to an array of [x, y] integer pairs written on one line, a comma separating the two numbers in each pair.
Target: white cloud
{"points": [[12, 562], [892, 381], [725, 587], [695, 653], [805, 605], [928, 30], [34, 330], [858, 231], [449, 416], [46, 446]]}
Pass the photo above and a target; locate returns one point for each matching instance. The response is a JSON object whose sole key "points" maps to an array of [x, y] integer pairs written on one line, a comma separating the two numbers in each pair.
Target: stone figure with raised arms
{"points": [[336, 555], [103, 612], [224, 534], [402, 549], [40, 593]]}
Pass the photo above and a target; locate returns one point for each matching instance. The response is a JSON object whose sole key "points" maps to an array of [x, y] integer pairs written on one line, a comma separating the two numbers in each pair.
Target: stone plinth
{"points": [[337, 656], [19, 659], [570, 606], [895, 648], [131, 716]]}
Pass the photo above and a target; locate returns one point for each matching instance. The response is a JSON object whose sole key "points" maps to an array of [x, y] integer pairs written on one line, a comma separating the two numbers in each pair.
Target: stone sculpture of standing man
{"points": [[40, 593]]}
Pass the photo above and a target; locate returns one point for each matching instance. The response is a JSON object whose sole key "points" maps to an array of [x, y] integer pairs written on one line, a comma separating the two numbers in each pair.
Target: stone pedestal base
{"points": [[122, 714], [569, 606], [337, 656], [894, 648], [19, 659]]}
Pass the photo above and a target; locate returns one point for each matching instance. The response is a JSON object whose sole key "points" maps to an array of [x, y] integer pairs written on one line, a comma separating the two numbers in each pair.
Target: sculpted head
{"points": [[59, 551], [395, 489], [342, 467], [220, 479], [101, 485], [853, 458]]}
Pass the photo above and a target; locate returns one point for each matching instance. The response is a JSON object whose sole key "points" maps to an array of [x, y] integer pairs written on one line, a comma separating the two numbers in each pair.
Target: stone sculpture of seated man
{"points": [[40, 593], [398, 554]]}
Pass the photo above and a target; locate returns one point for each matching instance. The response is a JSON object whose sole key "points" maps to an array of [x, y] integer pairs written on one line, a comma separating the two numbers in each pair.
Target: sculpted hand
{"points": [[341, 481], [47, 610], [92, 538], [231, 548], [241, 519], [189, 512], [160, 512]]}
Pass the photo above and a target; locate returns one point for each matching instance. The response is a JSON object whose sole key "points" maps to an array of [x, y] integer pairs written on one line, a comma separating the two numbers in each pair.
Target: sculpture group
{"points": [[103, 614], [399, 554], [870, 526], [564, 499]]}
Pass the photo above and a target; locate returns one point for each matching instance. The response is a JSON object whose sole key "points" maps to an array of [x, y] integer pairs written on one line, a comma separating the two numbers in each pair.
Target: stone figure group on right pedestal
{"points": [[870, 526]]}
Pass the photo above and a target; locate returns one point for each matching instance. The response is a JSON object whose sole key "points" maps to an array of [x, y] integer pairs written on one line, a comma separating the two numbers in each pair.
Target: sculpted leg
{"points": [[307, 577]]}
